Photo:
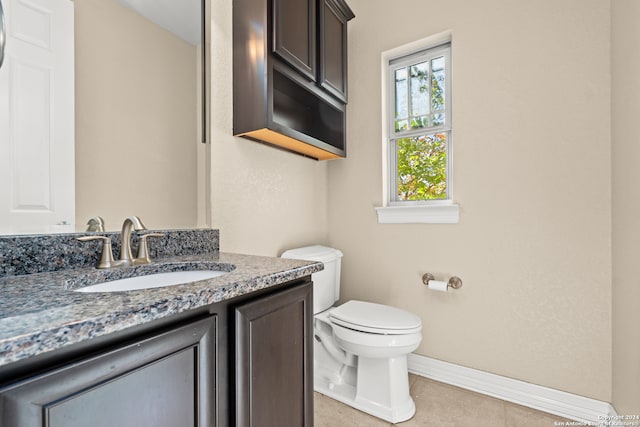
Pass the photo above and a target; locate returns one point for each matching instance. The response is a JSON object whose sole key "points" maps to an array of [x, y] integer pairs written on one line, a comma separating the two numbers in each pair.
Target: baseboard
{"points": [[563, 404]]}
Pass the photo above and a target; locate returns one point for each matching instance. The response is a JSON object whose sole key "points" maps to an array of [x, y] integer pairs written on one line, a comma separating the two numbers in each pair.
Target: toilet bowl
{"points": [[360, 348], [361, 328]]}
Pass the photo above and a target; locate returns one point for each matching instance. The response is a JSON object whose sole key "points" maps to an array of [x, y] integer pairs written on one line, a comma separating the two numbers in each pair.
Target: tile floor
{"points": [[438, 405]]}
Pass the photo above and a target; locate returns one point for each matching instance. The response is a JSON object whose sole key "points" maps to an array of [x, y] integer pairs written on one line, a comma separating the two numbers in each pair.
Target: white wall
{"points": [[532, 173], [626, 204]]}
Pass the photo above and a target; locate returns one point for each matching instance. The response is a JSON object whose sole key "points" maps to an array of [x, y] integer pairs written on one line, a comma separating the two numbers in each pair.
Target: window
{"points": [[418, 136], [419, 126]]}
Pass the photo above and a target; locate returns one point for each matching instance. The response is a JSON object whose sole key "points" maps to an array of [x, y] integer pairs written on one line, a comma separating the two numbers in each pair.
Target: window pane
{"points": [[437, 90], [420, 89], [422, 167], [402, 112], [419, 122], [437, 64], [402, 125]]}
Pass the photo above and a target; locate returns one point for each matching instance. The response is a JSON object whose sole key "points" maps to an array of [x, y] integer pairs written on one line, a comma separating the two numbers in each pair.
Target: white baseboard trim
{"points": [[563, 404]]}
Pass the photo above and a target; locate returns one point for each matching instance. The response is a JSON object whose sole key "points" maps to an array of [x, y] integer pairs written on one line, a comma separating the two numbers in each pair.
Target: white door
{"points": [[37, 184]]}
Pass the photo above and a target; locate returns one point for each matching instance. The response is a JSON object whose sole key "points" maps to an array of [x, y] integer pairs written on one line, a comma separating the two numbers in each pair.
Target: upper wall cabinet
{"points": [[290, 74]]}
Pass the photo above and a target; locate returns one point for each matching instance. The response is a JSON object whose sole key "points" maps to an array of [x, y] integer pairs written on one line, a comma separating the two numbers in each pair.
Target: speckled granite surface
{"points": [[40, 312], [37, 253]]}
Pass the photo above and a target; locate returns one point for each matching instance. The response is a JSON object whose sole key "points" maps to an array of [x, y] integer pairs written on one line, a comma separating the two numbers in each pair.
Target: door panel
{"points": [[165, 380], [37, 115], [294, 28], [274, 380]]}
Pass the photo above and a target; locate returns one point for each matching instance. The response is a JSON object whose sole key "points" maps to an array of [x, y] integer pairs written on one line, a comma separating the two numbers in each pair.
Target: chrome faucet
{"points": [[126, 257]]}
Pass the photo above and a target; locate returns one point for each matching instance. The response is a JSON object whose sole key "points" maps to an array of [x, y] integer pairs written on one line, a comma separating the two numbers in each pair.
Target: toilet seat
{"points": [[375, 318]]}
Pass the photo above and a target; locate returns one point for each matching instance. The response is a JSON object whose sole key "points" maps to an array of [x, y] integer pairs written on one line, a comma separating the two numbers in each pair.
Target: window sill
{"points": [[425, 214]]}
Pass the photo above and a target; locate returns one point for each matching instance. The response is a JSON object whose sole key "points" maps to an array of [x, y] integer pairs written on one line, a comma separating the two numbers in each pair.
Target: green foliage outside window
{"points": [[422, 167]]}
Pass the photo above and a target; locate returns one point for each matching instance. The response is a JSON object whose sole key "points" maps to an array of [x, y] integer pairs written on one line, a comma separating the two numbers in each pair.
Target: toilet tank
{"points": [[326, 283]]}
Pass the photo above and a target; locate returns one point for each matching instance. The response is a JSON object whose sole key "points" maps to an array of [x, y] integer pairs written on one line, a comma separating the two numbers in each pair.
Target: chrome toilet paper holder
{"points": [[454, 281]]}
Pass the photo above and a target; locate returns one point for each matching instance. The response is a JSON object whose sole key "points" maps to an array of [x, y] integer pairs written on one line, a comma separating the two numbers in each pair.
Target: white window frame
{"points": [[444, 211]]}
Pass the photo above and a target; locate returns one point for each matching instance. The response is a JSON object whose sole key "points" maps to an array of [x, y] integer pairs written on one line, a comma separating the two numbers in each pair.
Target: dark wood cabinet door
{"points": [[274, 360], [294, 34], [165, 380], [334, 16]]}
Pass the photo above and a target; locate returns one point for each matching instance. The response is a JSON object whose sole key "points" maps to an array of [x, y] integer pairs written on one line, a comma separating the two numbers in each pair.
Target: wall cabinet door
{"points": [[274, 360], [294, 34], [165, 380], [334, 16]]}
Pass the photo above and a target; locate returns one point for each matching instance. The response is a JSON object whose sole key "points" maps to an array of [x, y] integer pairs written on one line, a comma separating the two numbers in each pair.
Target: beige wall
{"points": [[532, 174], [263, 200], [136, 108], [626, 204]]}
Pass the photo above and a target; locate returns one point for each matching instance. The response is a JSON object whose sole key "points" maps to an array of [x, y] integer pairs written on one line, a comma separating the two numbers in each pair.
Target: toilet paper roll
{"points": [[438, 285]]}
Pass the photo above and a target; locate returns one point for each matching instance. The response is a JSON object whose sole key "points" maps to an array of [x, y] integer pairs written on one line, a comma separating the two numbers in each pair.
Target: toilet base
{"points": [[383, 385], [346, 394]]}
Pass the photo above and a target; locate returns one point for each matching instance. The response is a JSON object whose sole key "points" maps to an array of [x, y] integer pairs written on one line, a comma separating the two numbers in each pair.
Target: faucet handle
{"points": [[143, 248], [106, 258], [96, 223]]}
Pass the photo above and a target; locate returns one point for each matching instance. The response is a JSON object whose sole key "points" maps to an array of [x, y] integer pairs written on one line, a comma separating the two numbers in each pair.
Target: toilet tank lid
{"points": [[313, 253]]}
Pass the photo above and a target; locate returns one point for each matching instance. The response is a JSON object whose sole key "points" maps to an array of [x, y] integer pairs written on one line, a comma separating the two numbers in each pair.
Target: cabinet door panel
{"points": [[146, 396], [165, 380], [274, 360], [333, 50], [294, 38]]}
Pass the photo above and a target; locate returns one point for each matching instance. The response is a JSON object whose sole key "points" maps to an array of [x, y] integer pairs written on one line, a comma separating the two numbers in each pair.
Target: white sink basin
{"points": [[149, 281]]}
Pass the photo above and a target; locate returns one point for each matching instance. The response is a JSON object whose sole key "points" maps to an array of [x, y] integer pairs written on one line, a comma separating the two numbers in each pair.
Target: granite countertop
{"points": [[40, 312]]}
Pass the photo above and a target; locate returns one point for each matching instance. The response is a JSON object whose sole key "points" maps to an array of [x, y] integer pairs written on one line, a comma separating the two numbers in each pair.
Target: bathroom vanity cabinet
{"points": [[274, 336], [240, 362], [166, 379], [290, 74]]}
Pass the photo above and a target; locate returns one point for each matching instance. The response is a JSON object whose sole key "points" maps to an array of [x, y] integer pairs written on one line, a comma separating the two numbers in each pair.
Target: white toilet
{"points": [[361, 348]]}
